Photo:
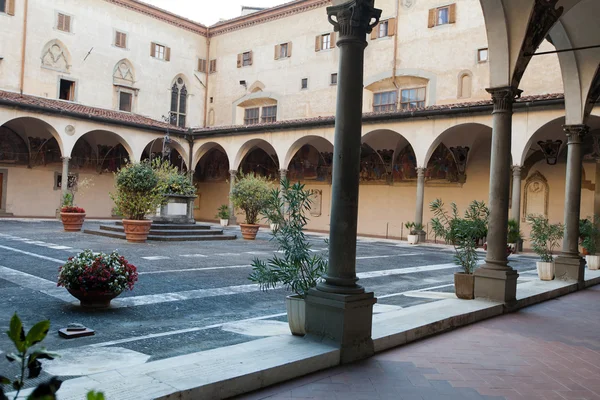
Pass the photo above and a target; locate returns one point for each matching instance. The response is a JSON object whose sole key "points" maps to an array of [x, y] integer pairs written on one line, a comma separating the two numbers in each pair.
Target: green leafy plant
{"points": [[67, 200], [95, 396], [544, 236], [223, 212], [251, 194], [462, 233], [299, 269], [514, 233], [171, 180], [138, 191], [413, 228], [589, 233]]}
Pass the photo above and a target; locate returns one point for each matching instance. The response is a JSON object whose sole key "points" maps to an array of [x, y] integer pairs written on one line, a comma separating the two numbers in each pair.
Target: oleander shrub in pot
{"points": [[545, 237], [251, 195]]}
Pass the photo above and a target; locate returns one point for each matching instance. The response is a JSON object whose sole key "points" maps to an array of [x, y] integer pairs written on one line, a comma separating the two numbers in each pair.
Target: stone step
{"points": [[162, 225], [163, 238], [159, 231]]}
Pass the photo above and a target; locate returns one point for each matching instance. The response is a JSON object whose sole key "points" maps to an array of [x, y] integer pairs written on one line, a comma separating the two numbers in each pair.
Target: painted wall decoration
{"points": [[537, 193], [405, 165], [375, 166], [317, 203], [13, 149], [214, 167], [111, 158], [310, 165], [83, 156], [442, 166], [260, 163], [44, 151]]}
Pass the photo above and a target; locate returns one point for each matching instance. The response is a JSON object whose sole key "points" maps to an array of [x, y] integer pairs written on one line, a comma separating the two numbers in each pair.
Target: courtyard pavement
{"points": [[191, 296], [550, 351]]}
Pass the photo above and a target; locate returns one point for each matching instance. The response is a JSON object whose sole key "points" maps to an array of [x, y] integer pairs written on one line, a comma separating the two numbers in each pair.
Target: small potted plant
{"points": [[589, 235], [545, 238], [413, 232], [271, 213], [138, 194], [72, 217], [298, 269], [514, 235], [97, 278], [223, 214], [250, 194], [462, 233]]}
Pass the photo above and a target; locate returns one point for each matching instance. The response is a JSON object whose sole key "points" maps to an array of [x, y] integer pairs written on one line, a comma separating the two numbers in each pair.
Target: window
{"points": [[7, 6], [201, 65], [326, 41], [160, 51], [412, 98], [247, 59], [385, 101], [482, 55], [383, 29], [251, 116], [442, 15], [334, 79], [178, 110], [66, 90], [212, 67], [121, 39], [3, 6], [63, 22], [125, 101], [283, 50], [269, 114], [304, 84]]}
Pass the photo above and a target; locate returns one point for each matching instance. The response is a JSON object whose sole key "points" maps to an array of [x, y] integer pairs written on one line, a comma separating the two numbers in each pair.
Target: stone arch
{"points": [[256, 87], [550, 131], [407, 73], [298, 144], [14, 149], [536, 197], [109, 151], [465, 85], [30, 129], [205, 148], [309, 159], [124, 73], [179, 158], [212, 163], [257, 144], [56, 56], [387, 156]]}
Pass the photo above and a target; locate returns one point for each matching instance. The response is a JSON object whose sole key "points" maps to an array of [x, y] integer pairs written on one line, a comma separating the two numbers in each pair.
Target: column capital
{"points": [[504, 97], [575, 133], [233, 172], [65, 159], [352, 19], [421, 172], [516, 169]]}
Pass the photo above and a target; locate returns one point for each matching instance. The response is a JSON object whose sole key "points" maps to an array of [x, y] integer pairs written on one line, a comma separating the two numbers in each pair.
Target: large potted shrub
{"points": [[463, 233], [545, 238], [589, 235], [137, 195], [251, 194], [514, 235], [72, 217], [178, 193], [413, 232], [95, 279], [298, 269], [223, 214]]}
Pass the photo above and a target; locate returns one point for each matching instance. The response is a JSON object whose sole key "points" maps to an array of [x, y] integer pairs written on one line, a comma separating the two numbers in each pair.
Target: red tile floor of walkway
{"points": [[548, 351]]}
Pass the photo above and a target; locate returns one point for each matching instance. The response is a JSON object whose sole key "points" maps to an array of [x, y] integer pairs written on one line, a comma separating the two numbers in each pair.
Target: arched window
{"points": [[465, 84], [178, 103]]}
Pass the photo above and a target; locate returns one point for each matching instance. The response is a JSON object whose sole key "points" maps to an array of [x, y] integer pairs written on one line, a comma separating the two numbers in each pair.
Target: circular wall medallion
{"points": [[70, 130], [408, 3]]}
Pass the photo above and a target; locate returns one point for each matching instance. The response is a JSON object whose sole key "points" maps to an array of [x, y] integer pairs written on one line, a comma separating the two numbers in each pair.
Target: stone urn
{"points": [[464, 285], [593, 262], [545, 270], [72, 222], [136, 231], [296, 313], [93, 299], [249, 231]]}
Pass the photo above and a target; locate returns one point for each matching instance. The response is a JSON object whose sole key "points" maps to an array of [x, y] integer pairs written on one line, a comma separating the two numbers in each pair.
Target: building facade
{"points": [[87, 85]]}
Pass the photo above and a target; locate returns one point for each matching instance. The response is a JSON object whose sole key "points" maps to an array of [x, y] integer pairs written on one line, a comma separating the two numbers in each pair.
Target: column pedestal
{"points": [[569, 268]]}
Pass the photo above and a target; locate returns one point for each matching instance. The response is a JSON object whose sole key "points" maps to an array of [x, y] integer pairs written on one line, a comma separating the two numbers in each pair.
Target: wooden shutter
{"points": [[375, 32], [152, 49], [123, 40], [250, 59], [332, 39], [452, 14], [201, 65], [67, 23], [10, 7], [432, 15], [318, 43], [167, 54], [289, 49], [213, 66], [391, 26], [240, 60], [61, 22], [277, 51]]}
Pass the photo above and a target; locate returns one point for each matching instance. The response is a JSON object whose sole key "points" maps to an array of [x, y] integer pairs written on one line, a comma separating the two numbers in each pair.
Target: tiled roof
{"points": [[86, 112]]}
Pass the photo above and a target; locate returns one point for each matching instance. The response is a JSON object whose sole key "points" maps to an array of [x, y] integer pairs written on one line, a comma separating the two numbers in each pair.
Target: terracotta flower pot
{"points": [[249, 232], [296, 312], [72, 222], [136, 231], [464, 285], [93, 299]]}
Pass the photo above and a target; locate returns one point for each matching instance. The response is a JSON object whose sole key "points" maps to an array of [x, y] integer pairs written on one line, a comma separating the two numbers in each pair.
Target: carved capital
{"points": [[504, 97], [65, 159], [421, 172], [354, 19], [516, 170], [575, 133], [233, 173], [283, 173]]}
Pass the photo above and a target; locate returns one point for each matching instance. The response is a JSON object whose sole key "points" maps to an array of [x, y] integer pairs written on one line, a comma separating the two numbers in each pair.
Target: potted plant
{"points": [[298, 269], [545, 238], [462, 233], [137, 194], [96, 279], [413, 229], [514, 235], [177, 191], [251, 194], [271, 213], [223, 214], [589, 235], [72, 217]]}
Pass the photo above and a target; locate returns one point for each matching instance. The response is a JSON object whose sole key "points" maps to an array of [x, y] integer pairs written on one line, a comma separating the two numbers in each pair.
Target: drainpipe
{"points": [[24, 47], [206, 79], [190, 139], [396, 47]]}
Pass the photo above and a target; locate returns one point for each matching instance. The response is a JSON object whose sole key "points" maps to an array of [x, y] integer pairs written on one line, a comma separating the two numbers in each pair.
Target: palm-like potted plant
{"points": [[589, 235], [545, 238], [72, 217], [298, 269], [413, 232], [462, 233], [514, 235], [251, 194], [137, 195], [223, 214]]}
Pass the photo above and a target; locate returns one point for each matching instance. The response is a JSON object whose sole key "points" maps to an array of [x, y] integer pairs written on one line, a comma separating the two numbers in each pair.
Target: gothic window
{"points": [[178, 103], [465, 85]]}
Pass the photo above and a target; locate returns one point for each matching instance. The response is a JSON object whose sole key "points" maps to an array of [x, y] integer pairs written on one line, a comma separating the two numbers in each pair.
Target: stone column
{"points": [[339, 309], [64, 182], [569, 264], [597, 193], [282, 176], [420, 200], [516, 199], [495, 280], [232, 178]]}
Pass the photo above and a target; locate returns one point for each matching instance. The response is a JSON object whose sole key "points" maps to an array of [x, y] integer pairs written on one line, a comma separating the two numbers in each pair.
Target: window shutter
{"points": [[67, 23], [277, 49], [239, 60], [10, 7], [431, 23], [333, 38], [375, 32], [213, 66], [318, 43], [167, 54], [250, 60], [152, 49], [289, 50], [118, 39], [61, 22], [201, 65], [123, 40], [391, 26], [452, 14]]}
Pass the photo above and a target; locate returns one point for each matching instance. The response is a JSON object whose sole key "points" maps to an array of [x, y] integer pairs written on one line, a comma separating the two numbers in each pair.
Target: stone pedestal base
{"points": [[498, 285], [345, 320], [569, 268], [422, 236], [178, 210]]}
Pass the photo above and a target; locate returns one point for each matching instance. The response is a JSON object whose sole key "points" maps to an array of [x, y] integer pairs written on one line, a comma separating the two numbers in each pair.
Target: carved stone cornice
{"points": [[353, 19], [503, 98], [575, 133]]}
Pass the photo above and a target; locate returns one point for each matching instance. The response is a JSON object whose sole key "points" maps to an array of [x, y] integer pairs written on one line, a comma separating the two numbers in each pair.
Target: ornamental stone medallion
{"points": [[408, 3], [70, 130]]}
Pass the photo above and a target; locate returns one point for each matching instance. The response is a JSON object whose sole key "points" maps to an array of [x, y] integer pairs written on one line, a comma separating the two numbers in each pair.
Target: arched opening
{"points": [[386, 157], [465, 85], [39, 138], [101, 151], [213, 166], [259, 157], [311, 160], [211, 177], [167, 149]]}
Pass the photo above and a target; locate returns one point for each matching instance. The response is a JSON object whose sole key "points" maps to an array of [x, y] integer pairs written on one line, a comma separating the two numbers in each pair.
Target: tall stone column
{"points": [[64, 182], [569, 265], [516, 198], [496, 280], [232, 178], [420, 200], [282, 176], [339, 309]]}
